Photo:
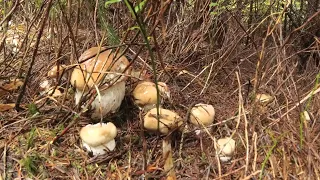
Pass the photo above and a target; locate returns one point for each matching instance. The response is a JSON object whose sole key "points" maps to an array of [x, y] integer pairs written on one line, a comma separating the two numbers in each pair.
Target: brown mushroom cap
{"points": [[202, 114], [53, 72], [264, 99], [98, 134], [168, 120], [145, 93], [93, 70]]}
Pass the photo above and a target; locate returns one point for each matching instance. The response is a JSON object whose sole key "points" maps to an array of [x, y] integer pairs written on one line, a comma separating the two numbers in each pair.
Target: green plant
{"points": [[33, 109], [269, 153], [30, 138], [30, 163]]}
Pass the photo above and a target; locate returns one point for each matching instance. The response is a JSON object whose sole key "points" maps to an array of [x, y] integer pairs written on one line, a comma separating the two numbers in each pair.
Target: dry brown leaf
{"points": [[11, 86], [6, 107], [14, 85]]}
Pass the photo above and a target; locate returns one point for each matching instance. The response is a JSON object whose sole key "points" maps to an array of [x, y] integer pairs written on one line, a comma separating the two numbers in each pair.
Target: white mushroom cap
{"points": [[45, 84], [225, 148], [99, 138], [168, 120], [202, 114], [145, 93]]}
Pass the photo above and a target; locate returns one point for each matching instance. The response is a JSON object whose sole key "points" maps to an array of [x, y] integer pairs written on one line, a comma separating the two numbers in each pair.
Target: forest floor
{"points": [[273, 141]]}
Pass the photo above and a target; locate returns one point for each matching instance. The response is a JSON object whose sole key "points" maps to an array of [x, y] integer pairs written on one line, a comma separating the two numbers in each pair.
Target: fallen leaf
{"points": [[14, 85], [11, 86], [6, 107]]}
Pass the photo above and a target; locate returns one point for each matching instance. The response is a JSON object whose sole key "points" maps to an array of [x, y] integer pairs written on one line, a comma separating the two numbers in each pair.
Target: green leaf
{"points": [[140, 6], [32, 108], [109, 2], [30, 138], [133, 28], [213, 4]]}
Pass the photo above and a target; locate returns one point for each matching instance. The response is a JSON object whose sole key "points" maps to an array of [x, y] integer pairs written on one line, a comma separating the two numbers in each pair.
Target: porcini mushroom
{"points": [[167, 121], [225, 149], [104, 70], [202, 115], [145, 94], [56, 71], [264, 99], [99, 138]]}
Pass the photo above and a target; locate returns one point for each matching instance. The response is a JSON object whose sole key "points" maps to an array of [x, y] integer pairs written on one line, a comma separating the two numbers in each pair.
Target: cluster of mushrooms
{"points": [[106, 72]]}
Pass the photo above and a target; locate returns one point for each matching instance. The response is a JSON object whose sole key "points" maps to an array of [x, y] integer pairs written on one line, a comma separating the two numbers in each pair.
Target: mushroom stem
{"points": [[167, 156]]}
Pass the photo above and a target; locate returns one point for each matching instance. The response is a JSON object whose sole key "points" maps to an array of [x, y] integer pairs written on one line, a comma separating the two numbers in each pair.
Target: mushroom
{"points": [[202, 116], [45, 84], [105, 71], [56, 71], [264, 99], [145, 94], [225, 149], [55, 93], [168, 120], [99, 138]]}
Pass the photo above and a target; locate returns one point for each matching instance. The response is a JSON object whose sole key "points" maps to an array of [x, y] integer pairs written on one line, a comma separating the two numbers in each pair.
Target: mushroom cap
{"points": [[263, 98], [45, 84], [56, 92], [93, 70], [145, 93], [54, 72], [168, 120], [226, 146], [202, 114], [98, 134]]}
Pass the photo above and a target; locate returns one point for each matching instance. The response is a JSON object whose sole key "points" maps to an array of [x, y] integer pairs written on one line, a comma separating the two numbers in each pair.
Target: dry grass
{"points": [[203, 58]]}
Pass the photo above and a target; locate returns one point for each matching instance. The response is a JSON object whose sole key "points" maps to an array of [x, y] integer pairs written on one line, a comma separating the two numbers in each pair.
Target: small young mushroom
{"points": [[99, 138], [168, 120], [56, 92], [145, 94], [103, 70], [45, 84], [225, 149], [202, 115], [56, 71], [264, 99]]}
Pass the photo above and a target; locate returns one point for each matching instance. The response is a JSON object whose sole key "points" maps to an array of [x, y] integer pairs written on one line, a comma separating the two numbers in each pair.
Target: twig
{"points": [[184, 130], [11, 11], [23, 89], [312, 93]]}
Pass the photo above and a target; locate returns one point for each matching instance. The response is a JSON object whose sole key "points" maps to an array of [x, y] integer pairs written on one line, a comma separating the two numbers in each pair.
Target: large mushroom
{"points": [[101, 69], [164, 123], [145, 94], [99, 138]]}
